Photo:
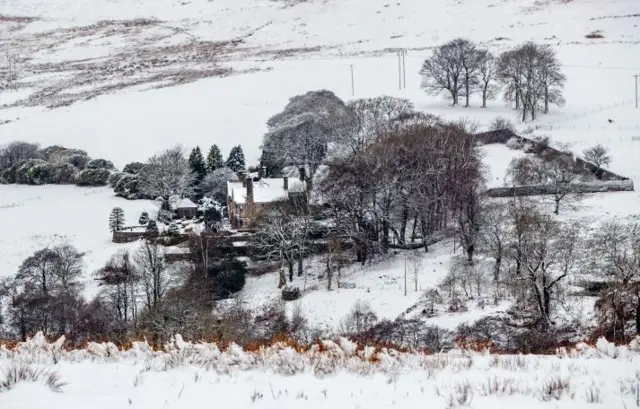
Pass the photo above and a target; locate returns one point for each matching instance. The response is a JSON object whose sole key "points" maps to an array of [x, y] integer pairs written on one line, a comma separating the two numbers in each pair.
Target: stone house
{"points": [[185, 209], [247, 197]]}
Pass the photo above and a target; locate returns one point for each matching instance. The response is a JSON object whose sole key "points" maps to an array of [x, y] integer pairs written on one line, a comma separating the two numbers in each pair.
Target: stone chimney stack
{"points": [[303, 174], [249, 184], [242, 177], [286, 183]]}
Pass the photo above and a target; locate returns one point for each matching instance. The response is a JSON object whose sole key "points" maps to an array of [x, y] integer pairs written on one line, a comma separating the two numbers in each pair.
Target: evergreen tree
{"points": [[144, 218], [196, 163], [236, 162], [152, 229], [116, 219], [173, 229], [214, 160]]}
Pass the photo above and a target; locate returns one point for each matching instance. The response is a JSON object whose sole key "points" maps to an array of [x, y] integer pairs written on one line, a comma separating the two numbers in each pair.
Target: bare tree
{"points": [[556, 171], [615, 256], [449, 70], [549, 252], [16, 152], [119, 284], [154, 279], [598, 155], [299, 135], [532, 76], [493, 237], [214, 185], [487, 74], [167, 174], [366, 120]]}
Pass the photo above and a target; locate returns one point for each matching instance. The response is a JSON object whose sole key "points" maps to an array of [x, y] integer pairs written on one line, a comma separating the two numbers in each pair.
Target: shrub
{"points": [[228, 277], [595, 35], [164, 216], [514, 143], [100, 164], [62, 173], [144, 218], [173, 229], [133, 167], [127, 186], [33, 172], [152, 230], [23, 373], [360, 319], [93, 177], [290, 293], [114, 178], [501, 123], [58, 153]]}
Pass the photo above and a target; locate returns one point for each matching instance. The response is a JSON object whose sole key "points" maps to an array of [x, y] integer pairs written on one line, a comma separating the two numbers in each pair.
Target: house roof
{"points": [[185, 204], [265, 190]]}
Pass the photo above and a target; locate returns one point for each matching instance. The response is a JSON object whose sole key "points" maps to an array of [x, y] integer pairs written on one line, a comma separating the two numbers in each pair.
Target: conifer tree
{"points": [[144, 218], [173, 229], [214, 160], [236, 161], [196, 163], [152, 229], [116, 219]]}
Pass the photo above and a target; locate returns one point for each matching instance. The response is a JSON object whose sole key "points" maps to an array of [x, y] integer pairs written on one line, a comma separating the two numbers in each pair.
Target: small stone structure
{"points": [[538, 190]]}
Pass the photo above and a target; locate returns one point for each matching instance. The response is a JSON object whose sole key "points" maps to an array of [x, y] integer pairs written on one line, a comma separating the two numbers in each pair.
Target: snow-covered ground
{"points": [[184, 375], [34, 217]]}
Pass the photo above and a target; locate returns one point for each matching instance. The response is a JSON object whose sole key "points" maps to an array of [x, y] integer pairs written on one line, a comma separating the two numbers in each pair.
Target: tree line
{"points": [[529, 76]]}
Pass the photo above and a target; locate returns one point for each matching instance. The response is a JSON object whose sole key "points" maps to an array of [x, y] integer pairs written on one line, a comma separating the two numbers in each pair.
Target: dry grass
{"points": [[555, 388], [595, 35], [16, 374]]}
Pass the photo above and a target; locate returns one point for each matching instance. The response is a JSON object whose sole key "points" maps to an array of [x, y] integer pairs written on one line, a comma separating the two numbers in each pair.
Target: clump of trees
{"points": [[26, 163], [529, 76]]}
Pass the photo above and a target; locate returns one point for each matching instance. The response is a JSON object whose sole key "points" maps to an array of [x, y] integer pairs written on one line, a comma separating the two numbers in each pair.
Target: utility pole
{"points": [[353, 90], [636, 77], [402, 77]]}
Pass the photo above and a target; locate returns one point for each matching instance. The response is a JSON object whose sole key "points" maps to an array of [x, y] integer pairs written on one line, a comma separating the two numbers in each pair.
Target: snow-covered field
{"points": [[329, 375], [283, 49], [39, 216]]}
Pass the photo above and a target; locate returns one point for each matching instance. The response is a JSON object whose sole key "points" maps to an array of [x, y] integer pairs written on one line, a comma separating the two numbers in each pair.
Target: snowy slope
{"points": [[187, 375], [34, 217]]}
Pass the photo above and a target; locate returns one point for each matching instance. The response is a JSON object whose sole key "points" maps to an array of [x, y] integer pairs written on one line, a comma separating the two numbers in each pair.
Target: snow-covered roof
{"points": [[265, 190], [185, 203]]}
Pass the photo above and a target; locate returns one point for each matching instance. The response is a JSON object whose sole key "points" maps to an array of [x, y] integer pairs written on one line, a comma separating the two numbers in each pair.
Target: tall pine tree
{"points": [[196, 163], [116, 219], [214, 160], [235, 161]]}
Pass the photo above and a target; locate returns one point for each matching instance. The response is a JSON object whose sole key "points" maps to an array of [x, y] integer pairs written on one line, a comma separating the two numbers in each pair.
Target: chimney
{"points": [[249, 183], [242, 177], [286, 183], [303, 175]]}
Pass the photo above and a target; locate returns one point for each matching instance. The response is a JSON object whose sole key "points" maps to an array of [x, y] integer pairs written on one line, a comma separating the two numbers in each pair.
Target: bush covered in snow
{"points": [[100, 164], [133, 168], [24, 164], [93, 177]]}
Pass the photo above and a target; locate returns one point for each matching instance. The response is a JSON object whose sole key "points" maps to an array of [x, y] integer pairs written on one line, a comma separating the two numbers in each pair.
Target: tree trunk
{"points": [[496, 274], [484, 97], [556, 209], [470, 250], [413, 231], [637, 313], [300, 266], [403, 224], [423, 225], [466, 85]]}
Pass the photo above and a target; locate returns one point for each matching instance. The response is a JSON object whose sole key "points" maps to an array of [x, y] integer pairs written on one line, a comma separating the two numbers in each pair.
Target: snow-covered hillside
{"points": [[329, 375], [128, 78]]}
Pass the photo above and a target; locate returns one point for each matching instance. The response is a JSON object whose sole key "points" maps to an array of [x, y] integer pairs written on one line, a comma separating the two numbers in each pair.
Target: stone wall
{"points": [[582, 166], [537, 190]]}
